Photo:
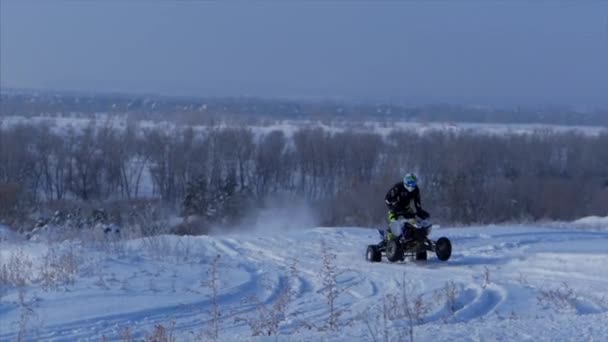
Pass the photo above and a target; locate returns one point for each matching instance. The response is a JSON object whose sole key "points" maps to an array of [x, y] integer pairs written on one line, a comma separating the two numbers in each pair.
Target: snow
{"points": [[289, 127], [502, 277], [8, 235], [593, 222]]}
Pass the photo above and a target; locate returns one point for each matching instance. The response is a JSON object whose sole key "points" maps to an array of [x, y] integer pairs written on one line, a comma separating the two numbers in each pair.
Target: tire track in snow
{"points": [[110, 325], [265, 261], [485, 302]]}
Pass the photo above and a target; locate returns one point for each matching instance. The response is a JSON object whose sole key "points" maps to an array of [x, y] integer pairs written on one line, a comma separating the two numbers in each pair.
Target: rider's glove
{"points": [[392, 217]]}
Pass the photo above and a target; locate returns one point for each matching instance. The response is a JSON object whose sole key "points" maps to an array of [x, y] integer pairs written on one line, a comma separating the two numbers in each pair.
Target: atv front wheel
{"points": [[394, 251], [443, 249], [373, 254]]}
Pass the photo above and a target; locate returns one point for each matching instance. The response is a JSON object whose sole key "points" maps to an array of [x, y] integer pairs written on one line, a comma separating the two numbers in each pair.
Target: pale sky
{"points": [[467, 52]]}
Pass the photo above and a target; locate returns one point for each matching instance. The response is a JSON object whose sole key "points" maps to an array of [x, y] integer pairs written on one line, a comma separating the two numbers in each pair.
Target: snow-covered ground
{"points": [[503, 283]]}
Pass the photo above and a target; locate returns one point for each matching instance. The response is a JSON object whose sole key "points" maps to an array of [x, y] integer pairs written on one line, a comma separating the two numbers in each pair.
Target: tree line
{"points": [[256, 110], [222, 174]]}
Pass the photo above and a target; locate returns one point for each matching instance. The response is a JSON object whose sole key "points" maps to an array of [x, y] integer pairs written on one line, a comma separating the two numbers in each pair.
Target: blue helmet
{"points": [[410, 181]]}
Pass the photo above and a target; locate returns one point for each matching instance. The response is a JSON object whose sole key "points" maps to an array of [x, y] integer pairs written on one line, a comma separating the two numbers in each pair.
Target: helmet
{"points": [[410, 181]]}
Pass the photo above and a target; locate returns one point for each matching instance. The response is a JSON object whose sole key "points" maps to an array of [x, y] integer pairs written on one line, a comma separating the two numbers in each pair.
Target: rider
{"points": [[403, 200]]}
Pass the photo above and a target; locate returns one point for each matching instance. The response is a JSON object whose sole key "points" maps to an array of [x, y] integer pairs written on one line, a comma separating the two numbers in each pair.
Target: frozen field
{"points": [[503, 283], [289, 127]]}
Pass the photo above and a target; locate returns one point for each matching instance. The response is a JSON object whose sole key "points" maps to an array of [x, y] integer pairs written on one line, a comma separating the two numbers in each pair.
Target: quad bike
{"points": [[412, 242]]}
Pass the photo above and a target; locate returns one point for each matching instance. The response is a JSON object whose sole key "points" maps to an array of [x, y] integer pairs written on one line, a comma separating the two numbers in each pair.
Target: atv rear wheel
{"points": [[373, 254], [421, 256], [394, 251], [443, 249]]}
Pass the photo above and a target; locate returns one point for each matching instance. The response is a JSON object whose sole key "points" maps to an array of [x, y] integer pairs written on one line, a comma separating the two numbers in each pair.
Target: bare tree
{"points": [[270, 166]]}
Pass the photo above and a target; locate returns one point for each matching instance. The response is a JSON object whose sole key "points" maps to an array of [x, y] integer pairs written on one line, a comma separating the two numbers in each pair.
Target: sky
{"points": [[460, 52]]}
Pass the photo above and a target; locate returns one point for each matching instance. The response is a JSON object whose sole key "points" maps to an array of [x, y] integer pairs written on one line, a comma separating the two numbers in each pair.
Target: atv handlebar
{"points": [[416, 223]]}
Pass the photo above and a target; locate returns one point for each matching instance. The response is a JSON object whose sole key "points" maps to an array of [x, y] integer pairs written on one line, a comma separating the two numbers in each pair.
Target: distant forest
{"points": [[221, 175], [202, 111]]}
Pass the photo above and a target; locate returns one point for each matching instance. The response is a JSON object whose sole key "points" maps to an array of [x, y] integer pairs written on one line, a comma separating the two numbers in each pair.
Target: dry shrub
{"points": [[331, 289], [412, 307], [16, 271], [450, 292], [160, 333], [213, 284], [60, 267], [405, 310], [486, 277], [27, 317], [126, 334], [562, 298], [267, 319]]}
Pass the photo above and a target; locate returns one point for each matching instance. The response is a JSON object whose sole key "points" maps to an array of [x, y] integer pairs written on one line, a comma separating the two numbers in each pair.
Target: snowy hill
{"points": [[517, 283]]}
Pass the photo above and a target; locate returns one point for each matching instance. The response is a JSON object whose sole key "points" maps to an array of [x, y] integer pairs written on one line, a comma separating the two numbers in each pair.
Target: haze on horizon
{"points": [[517, 53]]}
